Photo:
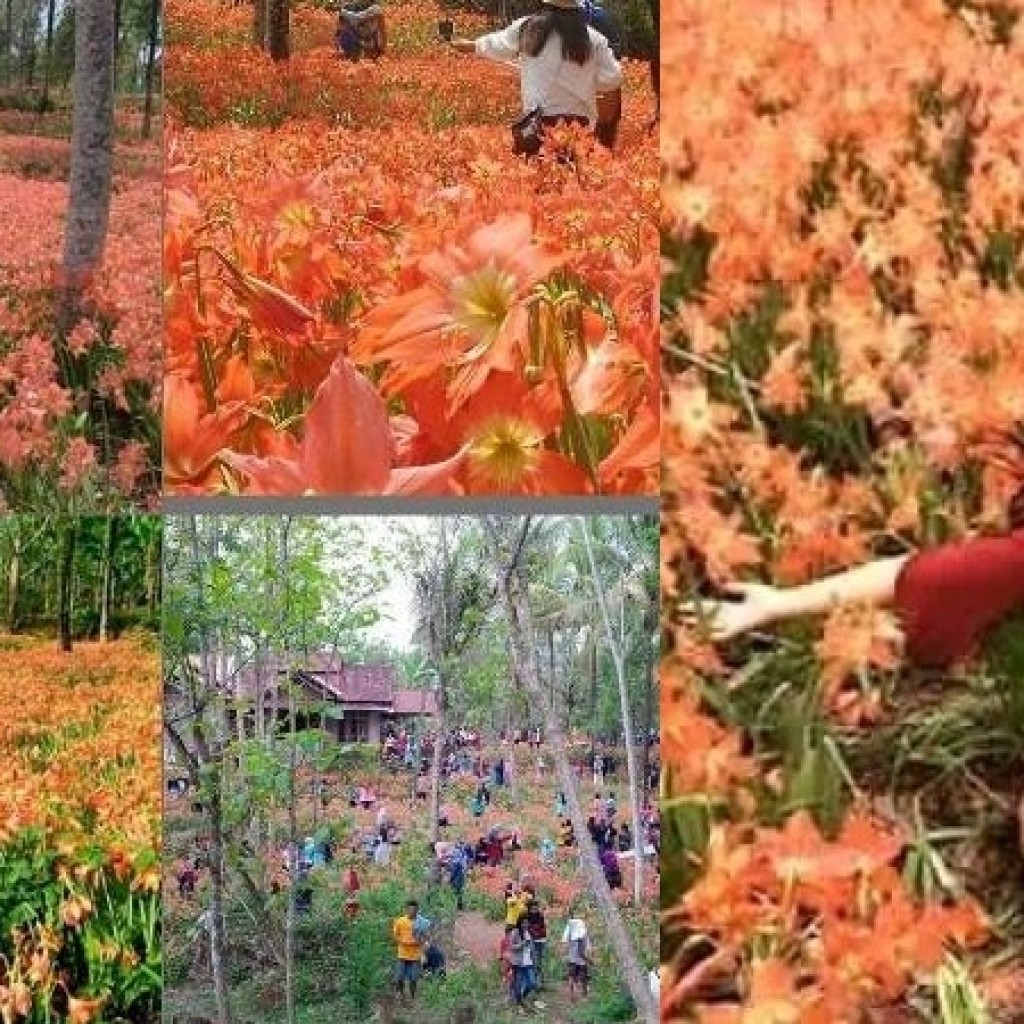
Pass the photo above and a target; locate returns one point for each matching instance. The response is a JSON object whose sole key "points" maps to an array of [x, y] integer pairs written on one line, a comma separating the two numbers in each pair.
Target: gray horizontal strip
{"points": [[392, 506]]}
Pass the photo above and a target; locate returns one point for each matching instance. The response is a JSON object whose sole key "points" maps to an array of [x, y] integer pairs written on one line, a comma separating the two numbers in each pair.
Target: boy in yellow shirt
{"points": [[515, 905], [409, 949]]}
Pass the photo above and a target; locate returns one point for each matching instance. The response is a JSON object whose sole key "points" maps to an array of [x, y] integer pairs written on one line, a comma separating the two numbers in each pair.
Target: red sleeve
{"points": [[950, 596]]}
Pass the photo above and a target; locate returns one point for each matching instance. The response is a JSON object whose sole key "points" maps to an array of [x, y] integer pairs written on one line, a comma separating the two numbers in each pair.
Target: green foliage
{"points": [[122, 922], [28, 547]]}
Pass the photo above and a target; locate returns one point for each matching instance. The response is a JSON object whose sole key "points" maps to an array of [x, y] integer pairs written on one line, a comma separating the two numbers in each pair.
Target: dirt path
{"points": [[477, 939]]}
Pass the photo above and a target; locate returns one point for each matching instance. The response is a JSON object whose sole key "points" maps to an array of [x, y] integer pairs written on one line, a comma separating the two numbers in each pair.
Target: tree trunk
{"points": [[279, 30], [67, 581], [92, 138], [593, 699], [435, 768], [117, 42], [551, 663], [154, 35], [259, 24], [218, 932], [51, 10], [151, 569], [293, 874], [515, 604], [439, 629], [28, 45], [650, 624], [107, 577], [14, 578], [9, 39], [211, 793], [615, 648]]}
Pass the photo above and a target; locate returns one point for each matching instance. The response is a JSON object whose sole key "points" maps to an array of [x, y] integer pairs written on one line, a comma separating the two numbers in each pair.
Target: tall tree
{"points": [[449, 598], [507, 553], [619, 661], [92, 143]]}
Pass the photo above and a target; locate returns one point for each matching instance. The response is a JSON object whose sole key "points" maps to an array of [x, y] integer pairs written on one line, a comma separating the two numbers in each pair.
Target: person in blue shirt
{"points": [[457, 877]]}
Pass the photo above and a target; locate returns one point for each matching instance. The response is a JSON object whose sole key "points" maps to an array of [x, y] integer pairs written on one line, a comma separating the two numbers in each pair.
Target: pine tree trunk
{"points": [[515, 604], [9, 39], [117, 43]]}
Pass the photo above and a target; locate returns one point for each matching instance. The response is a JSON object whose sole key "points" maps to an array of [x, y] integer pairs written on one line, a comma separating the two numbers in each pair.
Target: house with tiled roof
{"points": [[352, 703]]}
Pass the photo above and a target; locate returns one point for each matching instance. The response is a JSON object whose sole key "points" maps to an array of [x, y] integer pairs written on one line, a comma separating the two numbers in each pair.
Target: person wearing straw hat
{"points": [[567, 71]]}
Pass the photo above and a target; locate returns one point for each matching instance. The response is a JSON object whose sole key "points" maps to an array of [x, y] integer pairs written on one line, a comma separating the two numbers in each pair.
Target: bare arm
{"points": [[871, 583], [759, 605]]}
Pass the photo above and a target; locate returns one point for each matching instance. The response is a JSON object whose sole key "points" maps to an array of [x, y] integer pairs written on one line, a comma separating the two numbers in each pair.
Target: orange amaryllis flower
{"points": [[346, 447], [636, 455], [507, 456], [85, 1011], [612, 377], [468, 316], [192, 437], [431, 480]]}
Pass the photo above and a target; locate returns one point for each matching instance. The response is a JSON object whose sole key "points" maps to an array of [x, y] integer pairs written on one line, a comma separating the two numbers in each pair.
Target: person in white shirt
{"points": [[577, 956], [564, 66]]}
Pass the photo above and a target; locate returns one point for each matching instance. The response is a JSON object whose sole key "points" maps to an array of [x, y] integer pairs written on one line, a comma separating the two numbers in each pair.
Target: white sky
{"points": [[395, 601]]}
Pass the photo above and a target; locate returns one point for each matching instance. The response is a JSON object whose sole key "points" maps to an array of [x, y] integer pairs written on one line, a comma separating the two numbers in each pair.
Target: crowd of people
{"points": [[523, 953]]}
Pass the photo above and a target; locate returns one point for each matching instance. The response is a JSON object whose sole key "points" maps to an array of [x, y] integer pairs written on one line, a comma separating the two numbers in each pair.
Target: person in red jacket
{"points": [[948, 598]]}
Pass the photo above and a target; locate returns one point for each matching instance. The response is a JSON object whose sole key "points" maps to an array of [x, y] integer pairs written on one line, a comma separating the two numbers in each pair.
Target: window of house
{"points": [[355, 727]]}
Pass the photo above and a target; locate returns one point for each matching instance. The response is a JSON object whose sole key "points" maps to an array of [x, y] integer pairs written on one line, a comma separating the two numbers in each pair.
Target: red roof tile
{"points": [[415, 702]]}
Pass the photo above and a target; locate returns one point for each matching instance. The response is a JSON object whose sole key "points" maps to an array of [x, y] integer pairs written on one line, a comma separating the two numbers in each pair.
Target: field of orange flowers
{"points": [[80, 799], [366, 293], [843, 293], [47, 445]]}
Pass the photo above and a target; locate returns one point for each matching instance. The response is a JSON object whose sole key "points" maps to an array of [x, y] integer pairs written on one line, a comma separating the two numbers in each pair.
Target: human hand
{"points": [[757, 605]]}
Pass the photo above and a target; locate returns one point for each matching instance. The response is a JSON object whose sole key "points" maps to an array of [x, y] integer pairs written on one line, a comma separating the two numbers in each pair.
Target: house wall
{"points": [[375, 726]]}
